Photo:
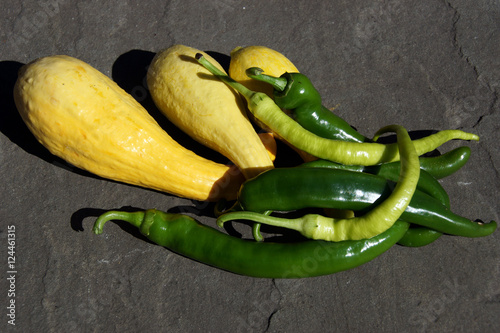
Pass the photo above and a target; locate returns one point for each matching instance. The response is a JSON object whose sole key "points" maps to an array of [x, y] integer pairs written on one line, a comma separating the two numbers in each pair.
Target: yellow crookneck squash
{"points": [[272, 62], [205, 108], [82, 116]]}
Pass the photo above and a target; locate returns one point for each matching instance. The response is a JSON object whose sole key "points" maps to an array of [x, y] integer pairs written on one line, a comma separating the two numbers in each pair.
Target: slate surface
{"points": [[423, 64]]}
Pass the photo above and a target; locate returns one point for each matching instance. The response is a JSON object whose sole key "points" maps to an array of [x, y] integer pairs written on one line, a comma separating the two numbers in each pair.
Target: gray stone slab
{"points": [[427, 65]]}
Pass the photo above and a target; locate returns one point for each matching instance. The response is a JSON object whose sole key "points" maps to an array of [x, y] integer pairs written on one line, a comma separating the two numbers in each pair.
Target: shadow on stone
{"points": [[12, 125]]}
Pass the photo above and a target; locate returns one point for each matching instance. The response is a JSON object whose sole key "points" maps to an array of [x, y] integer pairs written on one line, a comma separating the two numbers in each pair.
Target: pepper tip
{"points": [[96, 230]]}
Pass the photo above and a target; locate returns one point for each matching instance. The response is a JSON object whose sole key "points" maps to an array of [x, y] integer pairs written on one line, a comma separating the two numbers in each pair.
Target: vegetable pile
{"points": [[351, 199]]}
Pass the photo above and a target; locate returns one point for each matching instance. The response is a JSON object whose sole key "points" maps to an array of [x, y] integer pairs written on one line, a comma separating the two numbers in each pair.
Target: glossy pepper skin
{"points": [[186, 236], [296, 94], [444, 165], [288, 189], [419, 236], [390, 171]]}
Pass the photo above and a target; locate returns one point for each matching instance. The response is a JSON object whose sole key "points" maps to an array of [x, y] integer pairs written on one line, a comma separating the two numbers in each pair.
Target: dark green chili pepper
{"points": [[426, 183], [446, 164], [295, 93], [439, 167], [186, 236], [288, 189], [360, 153], [417, 236]]}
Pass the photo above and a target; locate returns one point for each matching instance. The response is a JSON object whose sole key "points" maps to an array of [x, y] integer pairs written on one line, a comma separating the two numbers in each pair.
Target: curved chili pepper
{"points": [[366, 153], [295, 93], [289, 189], [446, 164], [186, 236], [370, 224]]}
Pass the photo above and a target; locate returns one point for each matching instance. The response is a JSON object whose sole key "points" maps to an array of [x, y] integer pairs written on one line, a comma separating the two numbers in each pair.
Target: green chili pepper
{"points": [[426, 183], [295, 93], [446, 164], [417, 236], [370, 224], [289, 189], [186, 236], [266, 111]]}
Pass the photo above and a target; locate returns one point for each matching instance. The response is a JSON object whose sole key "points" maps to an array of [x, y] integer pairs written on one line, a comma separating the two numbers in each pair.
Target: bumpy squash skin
{"points": [[82, 116], [272, 62], [205, 108]]}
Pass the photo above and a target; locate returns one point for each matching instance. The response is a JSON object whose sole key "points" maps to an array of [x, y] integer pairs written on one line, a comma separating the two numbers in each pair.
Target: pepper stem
{"points": [[247, 93], [294, 224], [134, 218], [278, 83], [256, 228]]}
